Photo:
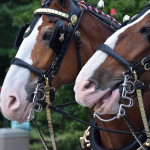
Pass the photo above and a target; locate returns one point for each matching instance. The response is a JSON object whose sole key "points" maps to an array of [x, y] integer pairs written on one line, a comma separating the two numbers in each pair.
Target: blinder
{"points": [[24, 32], [58, 36], [20, 36]]}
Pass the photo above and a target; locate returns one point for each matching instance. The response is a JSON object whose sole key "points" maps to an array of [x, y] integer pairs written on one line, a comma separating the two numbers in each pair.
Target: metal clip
{"points": [[84, 140], [31, 115], [146, 65]]}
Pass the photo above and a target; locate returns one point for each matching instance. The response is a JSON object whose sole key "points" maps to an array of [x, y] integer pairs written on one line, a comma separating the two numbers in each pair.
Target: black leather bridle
{"points": [[139, 66]]}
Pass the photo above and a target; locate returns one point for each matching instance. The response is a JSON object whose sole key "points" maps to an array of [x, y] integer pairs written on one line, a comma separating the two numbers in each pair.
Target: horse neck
{"points": [[117, 141], [94, 32]]}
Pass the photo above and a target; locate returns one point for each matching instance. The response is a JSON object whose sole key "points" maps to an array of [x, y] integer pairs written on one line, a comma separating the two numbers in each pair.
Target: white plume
{"points": [[100, 4], [125, 18]]}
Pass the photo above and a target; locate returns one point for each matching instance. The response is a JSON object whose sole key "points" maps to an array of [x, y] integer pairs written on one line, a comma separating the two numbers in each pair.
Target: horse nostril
{"points": [[94, 82], [12, 102]]}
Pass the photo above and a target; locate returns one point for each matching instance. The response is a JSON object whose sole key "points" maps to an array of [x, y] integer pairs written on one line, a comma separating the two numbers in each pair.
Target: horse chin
{"points": [[108, 103]]}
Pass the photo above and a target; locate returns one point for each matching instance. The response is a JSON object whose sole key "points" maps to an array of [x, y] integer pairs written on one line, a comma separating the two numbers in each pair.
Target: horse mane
{"points": [[104, 17], [109, 20]]}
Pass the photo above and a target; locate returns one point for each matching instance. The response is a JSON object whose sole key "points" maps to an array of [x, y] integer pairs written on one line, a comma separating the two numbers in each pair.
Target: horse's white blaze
{"points": [[16, 79], [81, 93]]}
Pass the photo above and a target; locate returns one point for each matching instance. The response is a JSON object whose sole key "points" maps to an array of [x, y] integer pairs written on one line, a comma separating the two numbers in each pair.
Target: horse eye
{"points": [[47, 36], [145, 30]]}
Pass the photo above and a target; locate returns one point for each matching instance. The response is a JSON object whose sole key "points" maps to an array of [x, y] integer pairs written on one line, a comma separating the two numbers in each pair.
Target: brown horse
{"points": [[99, 84], [51, 37]]}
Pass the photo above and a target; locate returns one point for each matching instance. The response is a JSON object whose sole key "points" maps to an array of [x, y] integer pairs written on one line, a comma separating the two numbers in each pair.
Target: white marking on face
{"points": [[91, 65], [17, 77]]}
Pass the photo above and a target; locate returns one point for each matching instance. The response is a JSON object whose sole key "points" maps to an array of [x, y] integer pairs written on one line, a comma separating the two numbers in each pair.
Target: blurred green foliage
{"points": [[13, 14]]}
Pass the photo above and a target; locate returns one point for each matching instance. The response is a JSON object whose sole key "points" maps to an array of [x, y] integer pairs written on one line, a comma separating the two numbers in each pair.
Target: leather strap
{"points": [[105, 48], [19, 62]]}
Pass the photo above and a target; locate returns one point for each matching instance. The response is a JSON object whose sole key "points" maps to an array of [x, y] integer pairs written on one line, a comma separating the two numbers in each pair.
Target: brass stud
{"points": [[74, 19], [51, 11]]}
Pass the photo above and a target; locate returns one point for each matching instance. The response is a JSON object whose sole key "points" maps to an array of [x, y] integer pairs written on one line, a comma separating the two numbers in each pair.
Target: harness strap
{"points": [[78, 45], [105, 48], [60, 111], [19, 62]]}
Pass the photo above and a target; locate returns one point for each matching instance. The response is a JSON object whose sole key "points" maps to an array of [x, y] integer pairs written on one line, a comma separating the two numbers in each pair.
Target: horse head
{"points": [[50, 47], [98, 83], [40, 46], [116, 78]]}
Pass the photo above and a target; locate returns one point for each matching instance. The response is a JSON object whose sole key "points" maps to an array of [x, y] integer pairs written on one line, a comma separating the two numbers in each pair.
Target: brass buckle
{"points": [[146, 66], [84, 139]]}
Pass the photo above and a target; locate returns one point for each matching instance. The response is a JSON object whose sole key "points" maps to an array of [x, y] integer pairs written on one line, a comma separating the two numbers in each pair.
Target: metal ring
{"points": [[147, 67]]}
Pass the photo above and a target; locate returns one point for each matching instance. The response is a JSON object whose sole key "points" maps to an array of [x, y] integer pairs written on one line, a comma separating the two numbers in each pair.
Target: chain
{"points": [[48, 111], [142, 110]]}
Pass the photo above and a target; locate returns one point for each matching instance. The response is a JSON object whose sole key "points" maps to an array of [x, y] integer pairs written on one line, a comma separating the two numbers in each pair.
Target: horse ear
{"points": [[63, 3]]}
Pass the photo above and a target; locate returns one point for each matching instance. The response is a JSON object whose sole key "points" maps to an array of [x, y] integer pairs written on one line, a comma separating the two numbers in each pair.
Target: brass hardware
{"points": [[62, 37], [142, 110], [147, 144], [48, 112], [51, 11], [146, 66], [142, 62], [77, 32], [74, 19], [84, 140]]}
